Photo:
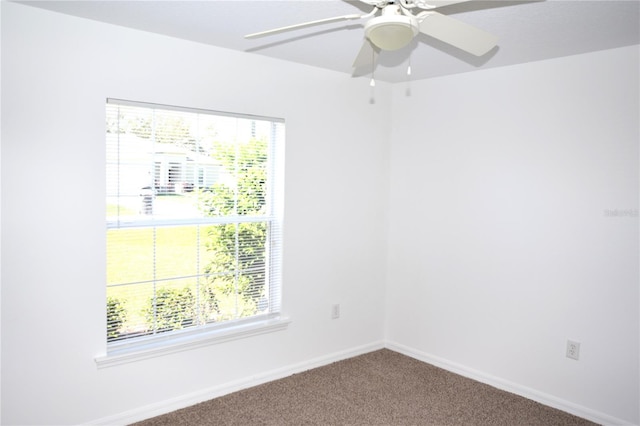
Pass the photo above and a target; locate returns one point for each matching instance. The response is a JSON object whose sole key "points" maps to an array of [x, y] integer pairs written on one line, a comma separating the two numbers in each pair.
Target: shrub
{"points": [[116, 317], [171, 309]]}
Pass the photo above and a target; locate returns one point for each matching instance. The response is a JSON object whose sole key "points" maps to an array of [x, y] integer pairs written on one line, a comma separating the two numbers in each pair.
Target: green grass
{"points": [[131, 259], [135, 270], [113, 211], [131, 256]]}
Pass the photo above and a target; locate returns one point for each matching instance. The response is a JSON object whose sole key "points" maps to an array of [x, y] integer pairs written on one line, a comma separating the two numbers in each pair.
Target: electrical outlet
{"points": [[335, 311], [573, 349]]}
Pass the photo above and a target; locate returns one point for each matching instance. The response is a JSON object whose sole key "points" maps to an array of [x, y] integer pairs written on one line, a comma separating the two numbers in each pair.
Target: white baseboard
{"points": [[183, 401], [163, 407], [515, 388]]}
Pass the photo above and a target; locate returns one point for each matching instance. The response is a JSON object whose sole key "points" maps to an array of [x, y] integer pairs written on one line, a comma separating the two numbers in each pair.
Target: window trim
{"points": [[144, 347], [124, 102], [187, 339]]}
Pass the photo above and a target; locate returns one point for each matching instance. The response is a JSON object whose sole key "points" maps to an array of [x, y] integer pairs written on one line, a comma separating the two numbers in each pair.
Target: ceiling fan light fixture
{"points": [[391, 32]]}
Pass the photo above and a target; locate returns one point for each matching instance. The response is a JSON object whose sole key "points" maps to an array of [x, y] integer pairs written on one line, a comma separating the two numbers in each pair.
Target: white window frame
{"points": [[138, 348]]}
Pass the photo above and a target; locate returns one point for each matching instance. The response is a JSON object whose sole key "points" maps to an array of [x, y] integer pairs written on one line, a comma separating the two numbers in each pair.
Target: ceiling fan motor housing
{"points": [[392, 30]]}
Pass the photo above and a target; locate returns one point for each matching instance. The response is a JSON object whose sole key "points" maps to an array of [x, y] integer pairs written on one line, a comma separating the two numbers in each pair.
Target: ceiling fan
{"points": [[396, 24]]}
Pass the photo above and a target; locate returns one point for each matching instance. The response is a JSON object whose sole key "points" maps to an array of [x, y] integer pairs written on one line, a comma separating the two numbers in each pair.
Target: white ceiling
{"points": [[527, 31]]}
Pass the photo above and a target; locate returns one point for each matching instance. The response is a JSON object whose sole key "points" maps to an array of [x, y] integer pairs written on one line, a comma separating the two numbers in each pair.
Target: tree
{"points": [[163, 127], [236, 270]]}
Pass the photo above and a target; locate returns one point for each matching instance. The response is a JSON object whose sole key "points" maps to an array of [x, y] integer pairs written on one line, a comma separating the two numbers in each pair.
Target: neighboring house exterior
{"points": [[177, 170], [162, 167]]}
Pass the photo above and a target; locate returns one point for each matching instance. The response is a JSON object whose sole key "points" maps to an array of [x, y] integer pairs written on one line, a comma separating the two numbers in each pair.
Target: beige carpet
{"points": [[378, 388]]}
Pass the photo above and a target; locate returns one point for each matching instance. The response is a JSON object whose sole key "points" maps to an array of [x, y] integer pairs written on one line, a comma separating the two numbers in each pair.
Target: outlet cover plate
{"points": [[573, 349], [335, 311]]}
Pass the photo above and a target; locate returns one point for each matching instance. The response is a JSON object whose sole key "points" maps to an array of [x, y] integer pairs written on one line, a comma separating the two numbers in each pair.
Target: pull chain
{"points": [[372, 82], [408, 90]]}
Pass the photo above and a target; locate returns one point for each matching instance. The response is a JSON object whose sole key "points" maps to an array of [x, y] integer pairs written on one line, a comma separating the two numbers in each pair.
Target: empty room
{"points": [[188, 214]]}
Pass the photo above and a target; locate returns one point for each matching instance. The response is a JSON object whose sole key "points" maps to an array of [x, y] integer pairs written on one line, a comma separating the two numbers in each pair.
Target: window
{"points": [[193, 216]]}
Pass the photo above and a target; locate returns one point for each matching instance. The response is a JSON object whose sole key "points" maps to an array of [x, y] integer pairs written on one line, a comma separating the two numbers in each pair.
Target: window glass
{"points": [[193, 215]]}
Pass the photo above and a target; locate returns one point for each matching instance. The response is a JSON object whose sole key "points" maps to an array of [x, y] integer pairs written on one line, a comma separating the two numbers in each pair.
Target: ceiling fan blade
{"points": [[303, 25], [456, 33], [432, 4], [367, 56]]}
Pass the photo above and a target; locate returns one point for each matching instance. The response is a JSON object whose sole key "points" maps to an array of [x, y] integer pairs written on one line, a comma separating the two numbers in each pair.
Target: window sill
{"points": [[151, 349]]}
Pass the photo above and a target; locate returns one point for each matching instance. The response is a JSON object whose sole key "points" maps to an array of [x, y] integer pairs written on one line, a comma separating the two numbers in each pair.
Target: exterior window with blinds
{"points": [[193, 215]]}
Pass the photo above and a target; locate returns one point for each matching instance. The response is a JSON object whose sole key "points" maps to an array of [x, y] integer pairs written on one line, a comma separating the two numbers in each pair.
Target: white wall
{"points": [[502, 244], [499, 245], [0, 229], [57, 72]]}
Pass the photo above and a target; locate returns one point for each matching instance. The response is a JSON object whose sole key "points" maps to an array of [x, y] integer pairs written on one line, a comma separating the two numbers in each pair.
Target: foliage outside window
{"points": [[193, 219]]}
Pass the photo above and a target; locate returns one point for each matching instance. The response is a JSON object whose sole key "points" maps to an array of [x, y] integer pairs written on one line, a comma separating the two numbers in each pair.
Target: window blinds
{"points": [[194, 219]]}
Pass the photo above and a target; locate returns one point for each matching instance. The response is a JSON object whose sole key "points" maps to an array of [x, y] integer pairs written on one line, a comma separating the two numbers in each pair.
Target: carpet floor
{"points": [[378, 388]]}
